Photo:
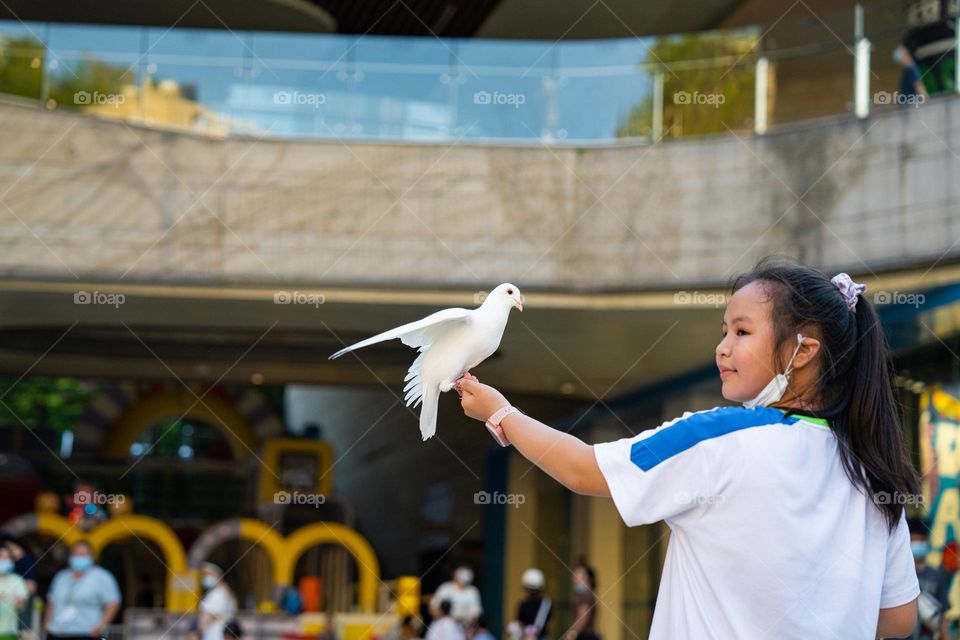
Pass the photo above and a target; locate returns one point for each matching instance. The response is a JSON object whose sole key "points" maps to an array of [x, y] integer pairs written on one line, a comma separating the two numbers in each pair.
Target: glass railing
{"points": [[285, 85]]}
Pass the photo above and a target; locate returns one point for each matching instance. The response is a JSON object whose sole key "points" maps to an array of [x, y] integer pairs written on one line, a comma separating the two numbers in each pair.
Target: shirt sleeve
{"points": [[20, 589], [900, 582], [111, 592], [657, 474], [55, 595]]}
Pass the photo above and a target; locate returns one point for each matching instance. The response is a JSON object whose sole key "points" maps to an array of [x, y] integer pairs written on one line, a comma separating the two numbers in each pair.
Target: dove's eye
{"points": [[510, 292]]}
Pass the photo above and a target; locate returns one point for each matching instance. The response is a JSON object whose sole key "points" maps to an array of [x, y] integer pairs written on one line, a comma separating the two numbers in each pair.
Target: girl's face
{"points": [[745, 354]]}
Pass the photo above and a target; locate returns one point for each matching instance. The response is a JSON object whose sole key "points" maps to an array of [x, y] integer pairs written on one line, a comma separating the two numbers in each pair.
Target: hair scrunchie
{"points": [[849, 289]]}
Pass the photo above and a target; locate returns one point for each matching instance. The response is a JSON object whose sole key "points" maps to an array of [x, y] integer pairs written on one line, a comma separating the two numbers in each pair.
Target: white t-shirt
{"points": [[464, 602], [445, 628], [769, 538], [219, 603]]}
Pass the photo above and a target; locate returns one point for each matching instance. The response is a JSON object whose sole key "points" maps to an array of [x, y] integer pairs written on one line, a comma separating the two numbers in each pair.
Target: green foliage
{"points": [[708, 85], [21, 65], [57, 403]]}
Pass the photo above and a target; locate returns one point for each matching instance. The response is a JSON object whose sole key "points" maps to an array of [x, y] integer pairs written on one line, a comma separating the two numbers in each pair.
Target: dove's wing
{"points": [[420, 333]]}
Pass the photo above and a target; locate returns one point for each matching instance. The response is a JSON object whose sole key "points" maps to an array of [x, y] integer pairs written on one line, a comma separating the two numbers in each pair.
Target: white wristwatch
{"points": [[493, 424]]}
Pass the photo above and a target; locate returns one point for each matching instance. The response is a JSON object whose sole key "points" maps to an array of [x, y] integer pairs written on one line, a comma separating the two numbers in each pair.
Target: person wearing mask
{"points": [[24, 565], [535, 609], [464, 598], [934, 587], [13, 595], [445, 627], [218, 606], [83, 598], [584, 604]]}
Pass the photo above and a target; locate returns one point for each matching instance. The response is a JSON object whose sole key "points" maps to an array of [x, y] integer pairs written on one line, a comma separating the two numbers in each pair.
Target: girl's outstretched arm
{"points": [[564, 457]]}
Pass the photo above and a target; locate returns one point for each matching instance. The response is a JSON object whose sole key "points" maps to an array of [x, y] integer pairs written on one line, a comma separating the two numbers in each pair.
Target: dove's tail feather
{"points": [[428, 412]]}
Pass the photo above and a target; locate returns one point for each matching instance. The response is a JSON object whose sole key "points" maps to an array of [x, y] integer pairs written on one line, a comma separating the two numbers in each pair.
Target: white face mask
{"points": [[776, 387], [465, 576]]}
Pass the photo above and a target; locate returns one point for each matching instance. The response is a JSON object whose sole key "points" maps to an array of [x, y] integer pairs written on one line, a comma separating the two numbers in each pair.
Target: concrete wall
{"points": [[101, 199]]}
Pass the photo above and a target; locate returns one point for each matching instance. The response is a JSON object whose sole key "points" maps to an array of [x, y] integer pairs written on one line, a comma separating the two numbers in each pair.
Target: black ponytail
{"points": [[855, 383]]}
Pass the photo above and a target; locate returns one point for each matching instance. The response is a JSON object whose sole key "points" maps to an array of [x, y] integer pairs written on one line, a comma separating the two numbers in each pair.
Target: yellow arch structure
{"points": [[224, 416], [332, 533], [249, 529], [48, 524], [181, 595], [181, 584]]}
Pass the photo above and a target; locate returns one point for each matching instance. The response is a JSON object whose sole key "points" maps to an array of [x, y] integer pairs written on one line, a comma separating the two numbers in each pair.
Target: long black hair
{"points": [[854, 385]]}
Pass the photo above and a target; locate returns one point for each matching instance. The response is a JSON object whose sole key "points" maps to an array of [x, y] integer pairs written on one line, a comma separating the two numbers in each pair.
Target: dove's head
{"points": [[505, 294]]}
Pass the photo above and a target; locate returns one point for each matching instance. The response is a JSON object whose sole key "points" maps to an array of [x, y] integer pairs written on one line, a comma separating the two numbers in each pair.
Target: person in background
{"points": [[464, 598], [482, 631], [445, 627], [24, 564], [13, 595], [535, 609], [83, 598], [218, 606], [911, 82], [411, 628], [934, 587], [584, 604]]}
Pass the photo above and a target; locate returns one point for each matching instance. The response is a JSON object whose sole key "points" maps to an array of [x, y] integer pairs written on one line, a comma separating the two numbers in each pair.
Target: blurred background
{"points": [[203, 200]]}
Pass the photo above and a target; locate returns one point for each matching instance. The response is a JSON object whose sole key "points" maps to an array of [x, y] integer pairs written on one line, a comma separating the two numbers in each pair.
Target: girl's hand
{"points": [[480, 401]]}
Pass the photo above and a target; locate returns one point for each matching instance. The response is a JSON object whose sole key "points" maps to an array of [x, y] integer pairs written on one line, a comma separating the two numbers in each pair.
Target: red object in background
{"points": [[311, 593], [950, 560]]}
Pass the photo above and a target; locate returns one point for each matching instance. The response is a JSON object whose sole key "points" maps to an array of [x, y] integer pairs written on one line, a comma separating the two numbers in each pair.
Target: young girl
{"points": [[786, 513]]}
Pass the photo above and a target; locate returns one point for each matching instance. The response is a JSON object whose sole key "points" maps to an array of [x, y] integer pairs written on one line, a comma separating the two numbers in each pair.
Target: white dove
{"points": [[451, 342]]}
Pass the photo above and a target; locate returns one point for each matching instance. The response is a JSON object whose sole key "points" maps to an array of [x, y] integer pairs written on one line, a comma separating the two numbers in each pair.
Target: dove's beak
{"points": [[518, 305]]}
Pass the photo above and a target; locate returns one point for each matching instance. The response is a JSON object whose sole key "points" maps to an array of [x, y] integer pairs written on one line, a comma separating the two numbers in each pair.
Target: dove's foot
{"points": [[466, 376]]}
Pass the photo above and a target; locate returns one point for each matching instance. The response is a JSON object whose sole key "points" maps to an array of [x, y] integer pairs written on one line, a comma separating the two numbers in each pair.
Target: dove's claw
{"points": [[466, 376]]}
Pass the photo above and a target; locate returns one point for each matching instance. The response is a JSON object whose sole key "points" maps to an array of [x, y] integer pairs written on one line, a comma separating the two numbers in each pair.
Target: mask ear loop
{"points": [[790, 363]]}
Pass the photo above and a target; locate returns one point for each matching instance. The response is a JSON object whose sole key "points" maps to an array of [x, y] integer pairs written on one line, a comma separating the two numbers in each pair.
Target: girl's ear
{"points": [[809, 349]]}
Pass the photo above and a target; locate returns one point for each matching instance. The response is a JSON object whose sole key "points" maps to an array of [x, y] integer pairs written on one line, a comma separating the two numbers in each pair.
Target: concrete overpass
{"points": [[622, 251]]}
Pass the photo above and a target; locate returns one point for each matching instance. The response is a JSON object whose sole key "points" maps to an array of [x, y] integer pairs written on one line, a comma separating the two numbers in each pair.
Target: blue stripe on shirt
{"points": [[687, 432]]}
